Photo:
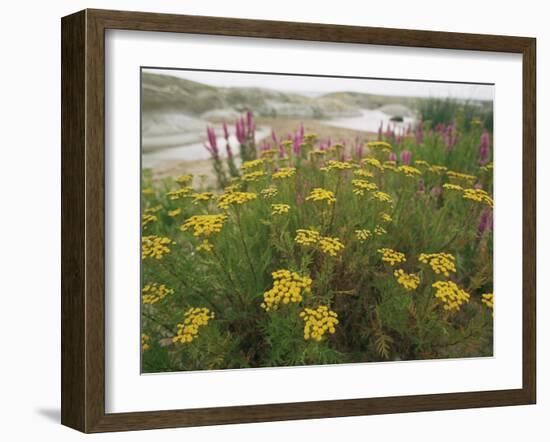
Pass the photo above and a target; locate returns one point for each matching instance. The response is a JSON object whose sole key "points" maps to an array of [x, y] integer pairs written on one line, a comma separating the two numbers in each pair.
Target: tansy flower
{"points": [[253, 176], [449, 186], [247, 165], [279, 209], [360, 186], [379, 231], [153, 246], [204, 196], [408, 280], [184, 180], [450, 295], [382, 197], [235, 198], [204, 225], [391, 256], [318, 322], [148, 218], [437, 169], [390, 165], [145, 342], [174, 212], [478, 195], [319, 194], [421, 163], [363, 173], [184, 192], [269, 192], [386, 217], [488, 299], [287, 287], [373, 162], [338, 165], [195, 318], [439, 262], [284, 172], [307, 237], [268, 153], [363, 234], [205, 246], [379, 145], [330, 245], [409, 171], [155, 292], [461, 176]]}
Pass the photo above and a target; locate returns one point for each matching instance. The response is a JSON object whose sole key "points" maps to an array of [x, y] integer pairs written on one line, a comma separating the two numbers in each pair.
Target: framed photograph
{"points": [[267, 221]]}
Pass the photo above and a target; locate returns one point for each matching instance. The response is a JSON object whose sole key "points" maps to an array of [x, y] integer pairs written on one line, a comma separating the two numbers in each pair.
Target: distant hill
{"points": [[169, 94]]}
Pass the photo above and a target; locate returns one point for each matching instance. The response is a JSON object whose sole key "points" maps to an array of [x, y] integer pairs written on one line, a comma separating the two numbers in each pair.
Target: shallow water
{"points": [[368, 121]]}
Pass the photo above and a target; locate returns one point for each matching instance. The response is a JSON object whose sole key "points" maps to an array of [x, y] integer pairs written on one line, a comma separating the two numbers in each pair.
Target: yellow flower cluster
{"points": [[488, 299], [360, 186], [148, 218], [478, 195], [319, 194], [363, 173], [451, 295], [253, 176], [421, 163], [390, 165], [331, 245], [363, 234], [287, 287], [312, 238], [318, 322], [438, 169], [318, 152], [382, 197], [154, 246], [184, 180], [379, 230], [205, 246], [204, 225], [307, 237], [147, 191], [284, 172], [409, 171], [408, 280], [194, 319], [339, 165], [155, 292], [379, 145], [386, 217], [269, 192], [204, 196], [391, 256], [174, 212], [235, 198], [449, 186], [268, 153], [247, 165], [461, 176], [279, 209], [179, 193], [439, 262], [373, 162], [145, 342]]}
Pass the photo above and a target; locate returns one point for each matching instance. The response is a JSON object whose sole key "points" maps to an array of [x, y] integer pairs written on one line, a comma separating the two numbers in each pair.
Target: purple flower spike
{"points": [[380, 129], [418, 134], [406, 156], [436, 191], [225, 131], [212, 144], [392, 156], [240, 130], [484, 143], [485, 222], [274, 137]]}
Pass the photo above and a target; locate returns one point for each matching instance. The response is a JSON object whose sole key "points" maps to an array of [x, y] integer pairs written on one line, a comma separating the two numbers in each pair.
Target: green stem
{"points": [[245, 247]]}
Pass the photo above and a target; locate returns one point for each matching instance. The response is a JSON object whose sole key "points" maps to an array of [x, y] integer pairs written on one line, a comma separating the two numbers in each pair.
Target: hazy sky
{"points": [[318, 85]]}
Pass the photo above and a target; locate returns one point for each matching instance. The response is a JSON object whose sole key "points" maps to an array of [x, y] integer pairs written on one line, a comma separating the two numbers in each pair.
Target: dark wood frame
{"points": [[83, 216]]}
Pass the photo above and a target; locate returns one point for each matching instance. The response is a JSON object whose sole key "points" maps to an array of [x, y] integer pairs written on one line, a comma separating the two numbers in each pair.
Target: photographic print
{"points": [[295, 220]]}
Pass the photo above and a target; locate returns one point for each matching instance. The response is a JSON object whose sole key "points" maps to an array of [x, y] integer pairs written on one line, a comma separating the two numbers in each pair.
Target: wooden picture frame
{"points": [[83, 219]]}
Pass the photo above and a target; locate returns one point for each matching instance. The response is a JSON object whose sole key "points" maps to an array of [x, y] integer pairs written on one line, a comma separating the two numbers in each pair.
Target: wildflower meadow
{"points": [[312, 251]]}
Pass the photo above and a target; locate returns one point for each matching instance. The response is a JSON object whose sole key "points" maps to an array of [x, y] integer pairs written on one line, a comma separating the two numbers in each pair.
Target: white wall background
{"points": [[30, 217]]}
